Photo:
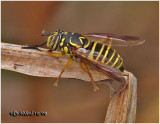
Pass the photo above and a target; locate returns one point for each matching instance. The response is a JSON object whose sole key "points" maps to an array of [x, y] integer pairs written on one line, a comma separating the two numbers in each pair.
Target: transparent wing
{"points": [[115, 75], [94, 56], [117, 40]]}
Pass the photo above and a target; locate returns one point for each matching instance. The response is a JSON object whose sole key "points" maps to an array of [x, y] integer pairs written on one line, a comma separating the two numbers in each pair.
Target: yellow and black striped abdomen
{"points": [[104, 54]]}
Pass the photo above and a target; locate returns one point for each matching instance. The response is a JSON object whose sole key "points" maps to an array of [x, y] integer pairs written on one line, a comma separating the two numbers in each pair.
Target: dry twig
{"points": [[122, 107], [35, 63]]}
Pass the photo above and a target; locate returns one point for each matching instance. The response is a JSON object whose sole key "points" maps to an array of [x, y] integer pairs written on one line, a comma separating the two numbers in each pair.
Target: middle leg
{"points": [[83, 65]]}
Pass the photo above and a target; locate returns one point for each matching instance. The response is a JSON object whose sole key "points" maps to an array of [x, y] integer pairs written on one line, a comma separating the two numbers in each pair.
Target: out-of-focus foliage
{"points": [[73, 100]]}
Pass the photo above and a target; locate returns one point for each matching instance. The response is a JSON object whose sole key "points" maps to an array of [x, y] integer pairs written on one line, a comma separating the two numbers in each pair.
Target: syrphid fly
{"points": [[92, 49]]}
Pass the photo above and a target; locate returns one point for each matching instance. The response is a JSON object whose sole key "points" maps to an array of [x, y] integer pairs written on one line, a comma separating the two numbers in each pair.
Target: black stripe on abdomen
{"points": [[118, 63], [114, 58], [97, 50], [103, 52], [98, 47], [110, 52], [90, 46]]}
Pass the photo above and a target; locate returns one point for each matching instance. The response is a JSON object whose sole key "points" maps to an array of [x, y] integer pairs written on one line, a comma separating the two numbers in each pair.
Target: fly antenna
{"points": [[45, 33]]}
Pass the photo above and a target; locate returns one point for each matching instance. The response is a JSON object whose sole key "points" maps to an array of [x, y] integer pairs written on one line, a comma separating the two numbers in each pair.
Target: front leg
{"points": [[53, 54]]}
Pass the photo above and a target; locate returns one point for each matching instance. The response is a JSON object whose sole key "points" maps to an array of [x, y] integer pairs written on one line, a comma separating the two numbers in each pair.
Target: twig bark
{"points": [[35, 63], [122, 107]]}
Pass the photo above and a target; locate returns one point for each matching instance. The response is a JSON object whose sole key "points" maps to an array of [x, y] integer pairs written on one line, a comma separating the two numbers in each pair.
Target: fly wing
{"points": [[119, 81], [117, 40]]}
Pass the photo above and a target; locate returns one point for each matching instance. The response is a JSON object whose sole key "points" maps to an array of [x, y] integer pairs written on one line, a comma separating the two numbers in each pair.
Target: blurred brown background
{"points": [[73, 100]]}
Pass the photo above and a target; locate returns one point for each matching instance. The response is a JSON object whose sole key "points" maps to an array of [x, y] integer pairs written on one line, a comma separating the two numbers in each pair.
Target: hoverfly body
{"points": [[93, 49]]}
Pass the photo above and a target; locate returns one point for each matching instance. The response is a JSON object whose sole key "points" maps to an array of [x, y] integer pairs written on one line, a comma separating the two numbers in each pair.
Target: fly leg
{"points": [[53, 54], [48, 52], [83, 65], [66, 66]]}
